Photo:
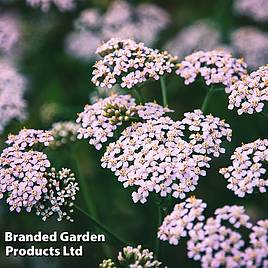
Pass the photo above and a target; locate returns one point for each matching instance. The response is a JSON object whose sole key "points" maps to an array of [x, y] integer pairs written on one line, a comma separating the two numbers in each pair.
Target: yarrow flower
{"points": [[58, 199], [121, 20], [217, 245], [99, 120], [250, 93], [181, 220], [9, 33], [247, 168], [202, 35], [25, 176], [44, 5], [64, 132], [256, 9], [128, 63], [132, 257], [250, 43], [12, 88], [216, 67], [153, 156]]}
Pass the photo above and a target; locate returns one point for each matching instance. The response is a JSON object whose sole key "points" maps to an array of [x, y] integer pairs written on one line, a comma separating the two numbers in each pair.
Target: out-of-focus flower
{"points": [[256, 9], [12, 87], [152, 156], [129, 63], [247, 168], [251, 43], [249, 94], [58, 199], [217, 245], [48, 111], [202, 35], [121, 20], [64, 132], [28, 181], [182, 219], [133, 257], [216, 67], [44, 5], [9, 33]]}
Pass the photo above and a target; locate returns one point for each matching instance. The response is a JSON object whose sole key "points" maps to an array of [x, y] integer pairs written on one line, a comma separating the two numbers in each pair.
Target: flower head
{"points": [[245, 173], [249, 93], [58, 199], [129, 63], [12, 87], [216, 67], [256, 9], [182, 219], [44, 5], [153, 156], [64, 132]]}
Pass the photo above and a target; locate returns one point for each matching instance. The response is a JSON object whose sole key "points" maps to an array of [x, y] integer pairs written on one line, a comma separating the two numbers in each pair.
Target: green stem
{"points": [[164, 91], [160, 220], [206, 99], [102, 227], [139, 95]]}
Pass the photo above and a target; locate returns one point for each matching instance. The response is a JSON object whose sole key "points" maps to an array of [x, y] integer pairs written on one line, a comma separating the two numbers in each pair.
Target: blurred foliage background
{"points": [[58, 88]]}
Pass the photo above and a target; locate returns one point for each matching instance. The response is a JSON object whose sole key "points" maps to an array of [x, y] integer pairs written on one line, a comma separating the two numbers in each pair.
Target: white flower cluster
{"points": [[64, 132], [44, 5], [12, 88], [216, 67], [247, 169], [256, 9], [99, 120], [250, 93], [130, 64], [121, 20], [216, 245], [201, 35], [251, 43], [182, 219], [154, 157], [133, 257], [61, 191]]}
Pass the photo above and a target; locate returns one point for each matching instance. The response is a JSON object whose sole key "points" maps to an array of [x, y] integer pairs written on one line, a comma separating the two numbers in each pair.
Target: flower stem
{"points": [[160, 219], [139, 95], [206, 99], [102, 227], [164, 91]]}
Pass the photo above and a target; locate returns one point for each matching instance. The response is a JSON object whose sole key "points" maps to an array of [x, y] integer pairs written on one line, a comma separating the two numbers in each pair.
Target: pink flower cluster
{"points": [[250, 93], [22, 170], [217, 245], [201, 35], [99, 120], [12, 87], [256, 9], [216, 67], [247, 168], [121, 20], [9, 33], [181, 220], [44, 5], [154, 157], [251, 43], [130, 64]]}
